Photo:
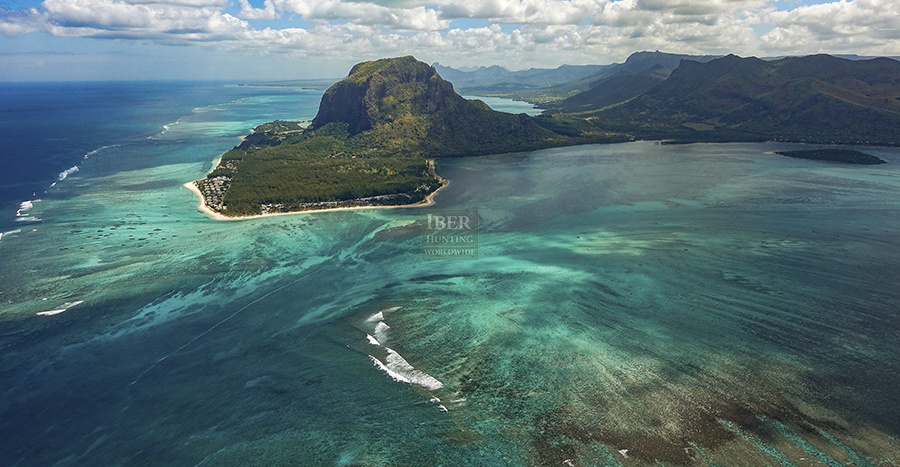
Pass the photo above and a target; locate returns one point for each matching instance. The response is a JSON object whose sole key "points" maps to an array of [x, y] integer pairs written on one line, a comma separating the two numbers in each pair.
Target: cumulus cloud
{"points": [[522, 11], [416, 18], [519, 32], [847, 26], [267, 12], [15, 23]]}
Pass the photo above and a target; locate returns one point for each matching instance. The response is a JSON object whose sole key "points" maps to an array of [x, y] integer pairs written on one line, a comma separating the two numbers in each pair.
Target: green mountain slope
{"points": [[636, 64], [817, 98], [612, 91]]}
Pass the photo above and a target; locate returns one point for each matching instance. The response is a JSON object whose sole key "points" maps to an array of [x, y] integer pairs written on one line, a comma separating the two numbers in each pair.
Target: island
{"points": [[373, 143], [847, 156]]}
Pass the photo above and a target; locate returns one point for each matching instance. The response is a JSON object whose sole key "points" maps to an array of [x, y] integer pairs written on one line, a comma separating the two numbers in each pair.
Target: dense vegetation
{"points": [[370, 142], [818, 98], [683, 98]]}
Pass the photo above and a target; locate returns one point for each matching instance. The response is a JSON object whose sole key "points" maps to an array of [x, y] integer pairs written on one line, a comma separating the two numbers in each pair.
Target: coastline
{"points": [[428, 201]]}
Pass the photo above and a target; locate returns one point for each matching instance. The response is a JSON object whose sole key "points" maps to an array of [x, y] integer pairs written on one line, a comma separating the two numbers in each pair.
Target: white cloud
{"points": [[267, 12], [545, 32], [15, 23], [870, 26], [416, 18], [523, 11]]}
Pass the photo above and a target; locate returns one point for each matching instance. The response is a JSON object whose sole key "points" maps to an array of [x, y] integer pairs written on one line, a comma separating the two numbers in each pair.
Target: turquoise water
{"points": [[709, 304], [508, 105]]}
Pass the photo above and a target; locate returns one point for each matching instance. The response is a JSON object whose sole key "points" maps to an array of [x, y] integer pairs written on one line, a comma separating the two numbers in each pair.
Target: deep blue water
{"points": [[48, 128]]}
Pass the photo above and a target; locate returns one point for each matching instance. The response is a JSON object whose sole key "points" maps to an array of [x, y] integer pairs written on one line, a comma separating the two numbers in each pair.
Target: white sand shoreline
{"points": [[428, 201]]}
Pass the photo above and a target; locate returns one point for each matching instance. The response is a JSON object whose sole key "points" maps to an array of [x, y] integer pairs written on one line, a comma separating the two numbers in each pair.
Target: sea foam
{"points": [[22, 213], [393, 374], [381, 330], [25, 206], [65, 173], [371, 339], [95, 151], [380, 315], [398, 365], [376, 317], [57, 311]]}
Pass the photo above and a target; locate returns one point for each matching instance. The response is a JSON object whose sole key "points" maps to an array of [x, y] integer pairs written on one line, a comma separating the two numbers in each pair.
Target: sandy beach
{"points": [[428, 201]]}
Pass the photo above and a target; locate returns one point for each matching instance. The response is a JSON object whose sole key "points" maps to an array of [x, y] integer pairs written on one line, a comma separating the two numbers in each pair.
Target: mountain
{"points": [[498, 79], [370, 144], [642, 61], [637, 65], [614, 90], [818, 98], [407, 103]]}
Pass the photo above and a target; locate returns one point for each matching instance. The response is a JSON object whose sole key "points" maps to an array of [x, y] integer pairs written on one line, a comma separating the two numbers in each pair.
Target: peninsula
{"points": [[373, 144]]}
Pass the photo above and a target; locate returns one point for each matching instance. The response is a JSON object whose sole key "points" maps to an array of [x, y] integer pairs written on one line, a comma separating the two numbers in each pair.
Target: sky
{"points": [[51, 40]]}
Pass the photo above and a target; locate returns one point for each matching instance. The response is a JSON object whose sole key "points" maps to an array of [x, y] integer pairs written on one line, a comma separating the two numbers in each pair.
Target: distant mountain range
{"points": [[500, 79], [655, 95], [548, 86], [818, 98]]}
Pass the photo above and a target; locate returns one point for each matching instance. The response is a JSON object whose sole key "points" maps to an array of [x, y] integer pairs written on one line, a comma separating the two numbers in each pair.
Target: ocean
{"points": [[630, 304]]}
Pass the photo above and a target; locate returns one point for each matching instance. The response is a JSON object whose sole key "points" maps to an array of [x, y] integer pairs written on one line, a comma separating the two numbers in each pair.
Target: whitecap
{"points": [[399, 365], [51, 312], [57, 311], [95, 151], [380, 315], [394, 375], [65, 173], [401, 371], [381, 330], [376, 317], [168, 126], [25, 206], [372, 340]]}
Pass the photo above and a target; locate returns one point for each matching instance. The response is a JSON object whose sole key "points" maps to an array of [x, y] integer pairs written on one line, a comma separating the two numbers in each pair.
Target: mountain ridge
{"points": [[816, 98]]}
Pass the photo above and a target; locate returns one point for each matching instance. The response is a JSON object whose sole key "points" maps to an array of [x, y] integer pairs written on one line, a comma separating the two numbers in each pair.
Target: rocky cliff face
{"points": [[384, 91], [403, 105]]}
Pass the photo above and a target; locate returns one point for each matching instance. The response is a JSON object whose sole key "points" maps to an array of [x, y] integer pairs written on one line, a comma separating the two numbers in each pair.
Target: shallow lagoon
{"points": [[693, 305]]}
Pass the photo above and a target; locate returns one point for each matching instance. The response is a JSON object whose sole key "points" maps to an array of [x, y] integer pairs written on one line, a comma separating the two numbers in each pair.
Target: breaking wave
{"points": [[65, 173]]}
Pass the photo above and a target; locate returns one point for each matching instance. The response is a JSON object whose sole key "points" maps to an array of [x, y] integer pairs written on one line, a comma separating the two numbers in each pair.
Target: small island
{"points": [[847, 156]]}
